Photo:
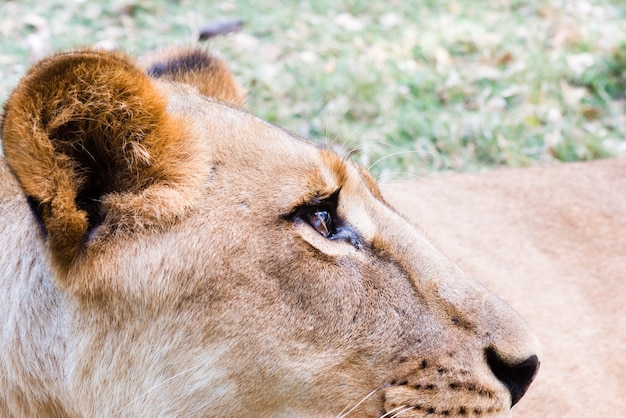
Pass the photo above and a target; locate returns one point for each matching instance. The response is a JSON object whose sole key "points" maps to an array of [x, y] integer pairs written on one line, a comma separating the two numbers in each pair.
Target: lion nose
{"points": [[517, 377]]}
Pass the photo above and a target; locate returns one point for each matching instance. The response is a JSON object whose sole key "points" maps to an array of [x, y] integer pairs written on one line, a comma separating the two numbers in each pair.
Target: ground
{"points": [[405, 87]]}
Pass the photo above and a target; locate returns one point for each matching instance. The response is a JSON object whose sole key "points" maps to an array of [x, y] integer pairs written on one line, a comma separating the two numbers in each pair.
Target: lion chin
{"points": [[167, 253]]}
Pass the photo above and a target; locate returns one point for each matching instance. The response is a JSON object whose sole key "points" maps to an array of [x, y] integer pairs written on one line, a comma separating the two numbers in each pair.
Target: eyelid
{"points": [[329, 200], [324, 199]]}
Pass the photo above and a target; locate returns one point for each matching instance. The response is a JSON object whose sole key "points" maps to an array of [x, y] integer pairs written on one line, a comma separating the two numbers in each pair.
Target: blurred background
{"points": [[404, 87]]}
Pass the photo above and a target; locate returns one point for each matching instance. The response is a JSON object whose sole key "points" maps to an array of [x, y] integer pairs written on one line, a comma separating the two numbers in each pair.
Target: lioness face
{"points": [[201, 262]]}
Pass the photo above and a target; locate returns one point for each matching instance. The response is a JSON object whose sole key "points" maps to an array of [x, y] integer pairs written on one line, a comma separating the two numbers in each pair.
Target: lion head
{"points": [[167, 253]]}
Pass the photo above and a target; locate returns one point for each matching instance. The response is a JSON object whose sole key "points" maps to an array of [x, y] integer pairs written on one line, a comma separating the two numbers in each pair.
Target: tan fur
{"points": [[552, 242], [168, 266]]}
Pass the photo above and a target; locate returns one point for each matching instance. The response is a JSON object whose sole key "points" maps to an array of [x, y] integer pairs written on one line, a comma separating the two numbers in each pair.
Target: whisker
{"points": [[408, 408], [370, 145], [393, 176], [400, 408], [119, 411], [346, 142], [398, 153], [344, 414]]}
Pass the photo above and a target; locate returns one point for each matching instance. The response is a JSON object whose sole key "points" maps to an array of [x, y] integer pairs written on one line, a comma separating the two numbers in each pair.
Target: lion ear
{"points": [[88, 136], [196, 67]]}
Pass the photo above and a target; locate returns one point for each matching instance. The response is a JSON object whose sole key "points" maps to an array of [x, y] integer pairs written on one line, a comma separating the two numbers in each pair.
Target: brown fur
{"points": [[69, 118], [168, 268], [552, 242], [196, 68]]}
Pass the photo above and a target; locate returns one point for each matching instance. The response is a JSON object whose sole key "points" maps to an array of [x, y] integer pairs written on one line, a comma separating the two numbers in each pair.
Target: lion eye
{"points": [[322, 216], [321, 221]]}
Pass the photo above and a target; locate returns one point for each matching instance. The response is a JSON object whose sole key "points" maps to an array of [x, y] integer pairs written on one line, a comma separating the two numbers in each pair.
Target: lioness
{"points": [[166, 253]]}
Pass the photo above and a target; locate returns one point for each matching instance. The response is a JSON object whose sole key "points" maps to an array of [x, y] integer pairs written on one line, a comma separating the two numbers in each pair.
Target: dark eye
{"points": [[321, 215], [320, 220]]}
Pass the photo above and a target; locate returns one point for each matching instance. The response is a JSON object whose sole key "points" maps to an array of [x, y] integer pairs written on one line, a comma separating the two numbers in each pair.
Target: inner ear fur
{"points": [[196, 67], [88, 136]]}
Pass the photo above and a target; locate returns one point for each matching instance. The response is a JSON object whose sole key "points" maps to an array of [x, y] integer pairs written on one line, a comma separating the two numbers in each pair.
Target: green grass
{"points": [[404, 87]]}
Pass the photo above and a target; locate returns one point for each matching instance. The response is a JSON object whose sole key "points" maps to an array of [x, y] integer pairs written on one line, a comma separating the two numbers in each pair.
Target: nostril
{"points": [[516, 377]]}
